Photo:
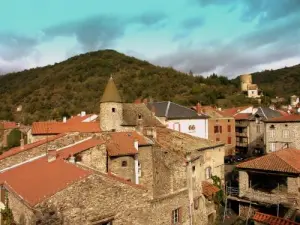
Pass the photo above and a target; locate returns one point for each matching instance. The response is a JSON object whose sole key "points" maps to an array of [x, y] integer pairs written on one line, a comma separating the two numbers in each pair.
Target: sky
{"points": [[227, 37]]}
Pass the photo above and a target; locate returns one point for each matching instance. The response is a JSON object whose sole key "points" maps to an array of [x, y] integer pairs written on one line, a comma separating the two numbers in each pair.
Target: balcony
{"points": [[241, 125], [242, 144], [240, 134]]}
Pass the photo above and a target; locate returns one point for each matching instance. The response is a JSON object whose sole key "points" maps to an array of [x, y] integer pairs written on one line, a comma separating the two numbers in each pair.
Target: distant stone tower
{"points": [[245, 81], [111, 108]]}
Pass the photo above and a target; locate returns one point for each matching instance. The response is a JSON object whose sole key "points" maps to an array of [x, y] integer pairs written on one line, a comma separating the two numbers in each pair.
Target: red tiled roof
{"points": [[59, 127], [78, 119], [122, 143], [16, 150], [285, 160], [9, 125], [288, 118], [242, 116], [233, 111], [283, 113], [209, 189], [90, 143], [272, 220], [40, 179]]}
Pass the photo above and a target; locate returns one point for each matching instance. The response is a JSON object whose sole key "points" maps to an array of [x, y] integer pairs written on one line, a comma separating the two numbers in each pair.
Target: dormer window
{"points": [[113, 110]]}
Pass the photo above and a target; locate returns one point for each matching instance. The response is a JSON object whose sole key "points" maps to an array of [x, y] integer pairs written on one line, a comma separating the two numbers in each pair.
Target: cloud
{"points": [[275, 42], [265, 10], [187, 26], [14, 46], [101, 31]]}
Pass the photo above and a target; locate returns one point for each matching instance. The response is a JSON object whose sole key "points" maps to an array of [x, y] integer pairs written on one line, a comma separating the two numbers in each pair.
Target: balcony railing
{"points": [[242, 144], [240, 134]]}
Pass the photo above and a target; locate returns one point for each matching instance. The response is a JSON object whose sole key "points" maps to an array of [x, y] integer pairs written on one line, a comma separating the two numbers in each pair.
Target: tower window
{"points": [[140, 116], [113, 110], [124, 163]]}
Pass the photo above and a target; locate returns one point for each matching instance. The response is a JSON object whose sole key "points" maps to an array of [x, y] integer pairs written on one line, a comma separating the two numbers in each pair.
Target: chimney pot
{"points": [[64, 119]]}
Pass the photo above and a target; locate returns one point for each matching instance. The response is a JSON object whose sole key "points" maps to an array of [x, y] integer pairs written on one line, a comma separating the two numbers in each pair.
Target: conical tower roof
{"points": [[111, 93]]}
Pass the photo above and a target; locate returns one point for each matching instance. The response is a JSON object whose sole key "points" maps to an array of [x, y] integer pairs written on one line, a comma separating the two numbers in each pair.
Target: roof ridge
{"points": [[183, 106]]}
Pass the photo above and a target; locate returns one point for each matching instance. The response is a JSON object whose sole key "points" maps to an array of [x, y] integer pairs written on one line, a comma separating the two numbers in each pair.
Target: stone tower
{"points": [[111, 108], [246, 80]]}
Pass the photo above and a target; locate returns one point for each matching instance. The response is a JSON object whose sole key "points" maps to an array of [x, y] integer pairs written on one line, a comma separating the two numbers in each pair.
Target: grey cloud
{"points": [[187, 26], [243, 54], [101, 31], [265, 10], [13, 46]]}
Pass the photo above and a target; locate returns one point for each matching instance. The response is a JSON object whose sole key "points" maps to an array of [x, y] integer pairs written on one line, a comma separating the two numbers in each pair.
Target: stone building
{"points": [[221, 127], [250, 130], [269, 184], [248, 87], [282, 132], [181, 118], [135, 171], [5, 128]]}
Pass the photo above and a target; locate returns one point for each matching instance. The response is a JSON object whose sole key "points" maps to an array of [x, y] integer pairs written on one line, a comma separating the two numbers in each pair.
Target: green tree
{"points": [[13, 139], [7, 215]]}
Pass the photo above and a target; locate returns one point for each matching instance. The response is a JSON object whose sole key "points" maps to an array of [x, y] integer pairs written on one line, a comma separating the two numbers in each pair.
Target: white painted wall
{"points": [[253, 94], [201, 126]]}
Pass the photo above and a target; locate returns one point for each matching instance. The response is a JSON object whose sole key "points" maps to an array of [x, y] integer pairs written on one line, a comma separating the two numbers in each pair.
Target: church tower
{"points": [[111, 108]]}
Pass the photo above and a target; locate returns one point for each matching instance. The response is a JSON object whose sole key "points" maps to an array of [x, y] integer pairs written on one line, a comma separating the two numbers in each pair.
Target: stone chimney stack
{"points": [[140, 124], [51, 155]]}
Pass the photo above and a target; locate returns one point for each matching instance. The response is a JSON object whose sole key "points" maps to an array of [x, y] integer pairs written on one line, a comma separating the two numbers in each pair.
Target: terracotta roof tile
{"points": [[285, 160], [272, 220], [242, 116], [288, 118], [233, 111], [9, 125], [82, 146], [59, 127], [16, 150], [122, 143], [40, 179], [209, 189]]}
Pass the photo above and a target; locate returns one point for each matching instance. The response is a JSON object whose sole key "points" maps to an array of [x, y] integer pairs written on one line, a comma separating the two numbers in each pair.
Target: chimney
{"points": [[22, 143], [145, 101], [198, 108], [64, 119], [72, 159], [51, 155], [83, 113], [136, 144], [136, 161], [139, 123], [153, 110]]}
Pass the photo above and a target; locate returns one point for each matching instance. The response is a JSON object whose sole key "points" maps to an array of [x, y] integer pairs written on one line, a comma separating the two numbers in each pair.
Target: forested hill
{"points": [[77, 84], [282, 82]]}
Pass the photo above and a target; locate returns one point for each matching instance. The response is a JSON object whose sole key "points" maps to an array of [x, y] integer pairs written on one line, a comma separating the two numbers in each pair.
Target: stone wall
{"points": [[108, 119], [127, 172], [23, 215], [244, 211], [39, 150], [292, 185], [275, 134], [243, 183], [95, 158], [145, 157], [256, 137]]}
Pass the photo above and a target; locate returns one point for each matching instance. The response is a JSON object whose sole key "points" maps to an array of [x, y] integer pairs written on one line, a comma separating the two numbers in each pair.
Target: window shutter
{"points": [[180, 215]]}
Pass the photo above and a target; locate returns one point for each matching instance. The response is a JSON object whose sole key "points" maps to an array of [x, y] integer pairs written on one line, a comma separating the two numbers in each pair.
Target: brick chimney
{"points": [[198, 108], [51, 155]]}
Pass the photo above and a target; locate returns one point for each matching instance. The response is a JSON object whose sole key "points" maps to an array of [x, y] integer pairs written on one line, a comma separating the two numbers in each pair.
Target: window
{"points": [[221, 129], [140, 116], [113, 110], [257, 128], [208, 173], [285, 133], [176, 216], [253, 92], [216, 129], [228, 128], [217, 139], [273, 147], [229, 140], [228, 121], [272, 133], [194, 168], [124, 163]]}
